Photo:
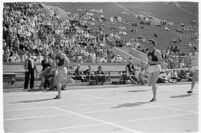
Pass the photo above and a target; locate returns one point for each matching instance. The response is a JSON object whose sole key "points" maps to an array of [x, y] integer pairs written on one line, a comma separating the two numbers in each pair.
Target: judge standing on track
{"points": [[194, 67], [30, 68], [61, 70], [154, 67]]}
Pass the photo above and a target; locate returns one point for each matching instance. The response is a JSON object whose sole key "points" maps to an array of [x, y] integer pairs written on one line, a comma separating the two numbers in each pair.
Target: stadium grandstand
{"points": [[106, 52], [96, 35]]}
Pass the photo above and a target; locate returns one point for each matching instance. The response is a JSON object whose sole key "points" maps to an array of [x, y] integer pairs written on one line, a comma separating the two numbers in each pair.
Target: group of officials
{"points": [[58, 60], [59, 64]]}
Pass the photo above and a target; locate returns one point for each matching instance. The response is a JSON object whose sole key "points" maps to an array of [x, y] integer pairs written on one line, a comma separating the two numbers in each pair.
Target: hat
{"points": [[99, 67]]}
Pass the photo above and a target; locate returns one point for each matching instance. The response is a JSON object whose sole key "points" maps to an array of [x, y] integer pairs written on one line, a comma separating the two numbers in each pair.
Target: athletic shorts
{"points": [[154, 68], [61, 75]]}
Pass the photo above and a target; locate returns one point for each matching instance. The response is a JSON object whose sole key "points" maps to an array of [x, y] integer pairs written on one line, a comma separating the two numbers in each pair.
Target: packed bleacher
{"points": [[27, 27], [35, 27]]}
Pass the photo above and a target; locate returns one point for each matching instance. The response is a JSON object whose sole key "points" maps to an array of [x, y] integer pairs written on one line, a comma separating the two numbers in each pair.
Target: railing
{"points": [[175, 63]]}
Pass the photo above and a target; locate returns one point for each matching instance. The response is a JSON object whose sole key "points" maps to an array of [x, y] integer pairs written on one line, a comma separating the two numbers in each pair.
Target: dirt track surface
{"points": [[123, 109]]}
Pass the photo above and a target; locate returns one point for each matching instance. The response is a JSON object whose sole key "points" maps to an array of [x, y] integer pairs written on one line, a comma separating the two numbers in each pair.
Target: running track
{"points": [[122, 109]]}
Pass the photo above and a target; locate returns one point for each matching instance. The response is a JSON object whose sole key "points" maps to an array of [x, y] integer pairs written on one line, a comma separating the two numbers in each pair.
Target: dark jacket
{"points": [[130, 69]]}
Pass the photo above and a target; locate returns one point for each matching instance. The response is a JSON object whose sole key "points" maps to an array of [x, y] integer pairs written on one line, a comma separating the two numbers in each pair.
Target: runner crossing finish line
{"points": [[61, 70]]}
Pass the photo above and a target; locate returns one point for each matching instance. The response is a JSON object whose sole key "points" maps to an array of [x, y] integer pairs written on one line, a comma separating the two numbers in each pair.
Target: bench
{"points": [[109, 75], [9, 78]]}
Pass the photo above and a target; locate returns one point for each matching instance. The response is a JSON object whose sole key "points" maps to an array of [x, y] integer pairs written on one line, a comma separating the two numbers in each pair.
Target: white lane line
{"points": [[178, 109], [101, 122], [179, 104], [65, 128], [144, 107], [98, 120], [103, 111], [92, 104], [159, 117], [117, 100], [34, 117], [7, 99], [8, 110], [118, 122], [11, 110], [132, 102], [38, 99], [106, 98]]}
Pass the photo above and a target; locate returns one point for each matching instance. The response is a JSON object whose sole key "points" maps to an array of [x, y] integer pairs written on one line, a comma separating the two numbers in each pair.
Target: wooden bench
{"points": [[109, 75], [9, 78]]}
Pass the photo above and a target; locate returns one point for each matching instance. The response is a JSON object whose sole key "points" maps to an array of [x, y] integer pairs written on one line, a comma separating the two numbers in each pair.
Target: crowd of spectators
{"points": [[28, 27]]}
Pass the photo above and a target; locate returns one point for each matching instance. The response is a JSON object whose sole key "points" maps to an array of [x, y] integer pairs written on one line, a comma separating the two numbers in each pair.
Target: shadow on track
{"points": [[38, 100], [137, 91], [131, 104], [181, 96]]}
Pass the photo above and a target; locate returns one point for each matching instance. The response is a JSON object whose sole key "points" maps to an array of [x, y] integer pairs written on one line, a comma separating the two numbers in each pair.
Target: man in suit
{"points": [[29, 67]]}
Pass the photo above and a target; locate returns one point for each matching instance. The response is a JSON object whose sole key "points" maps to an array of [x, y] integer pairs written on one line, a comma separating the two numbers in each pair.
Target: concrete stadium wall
{"points": [[127, 56], [138, 54], [19, 67]]}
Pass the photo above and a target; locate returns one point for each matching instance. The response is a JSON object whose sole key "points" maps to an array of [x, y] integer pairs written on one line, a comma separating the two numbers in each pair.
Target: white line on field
{"points": [[11, 110], [178, 109], [26, 98], [118, 122], [89, 112], [98, 120], [145, 107], [35, 117], [101, 111], [101, 97], [132, 102], [65, 128], [159, 117], [90, 104], [23, 101]]}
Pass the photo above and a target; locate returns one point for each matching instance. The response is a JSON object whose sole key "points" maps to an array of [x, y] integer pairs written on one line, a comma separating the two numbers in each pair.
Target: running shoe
{"points": [[189, 92], [57, 97], [153, 100]]}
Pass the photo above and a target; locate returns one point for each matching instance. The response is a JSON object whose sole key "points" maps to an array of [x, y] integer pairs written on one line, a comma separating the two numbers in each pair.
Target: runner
{"points": [[61, 70], [194, 67], [154, 68]]}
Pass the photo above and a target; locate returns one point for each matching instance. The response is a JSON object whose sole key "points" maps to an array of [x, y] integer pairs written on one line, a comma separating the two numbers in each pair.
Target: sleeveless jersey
{"points": [[152, 56], [60, 61]]}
